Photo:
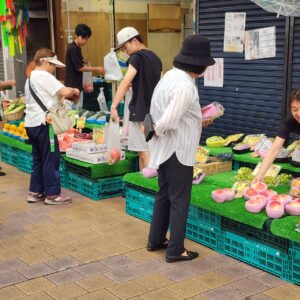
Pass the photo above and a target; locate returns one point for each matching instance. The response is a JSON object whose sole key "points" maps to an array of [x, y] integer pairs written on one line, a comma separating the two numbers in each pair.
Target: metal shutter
{"points": [[253, 92], [296, 55]]}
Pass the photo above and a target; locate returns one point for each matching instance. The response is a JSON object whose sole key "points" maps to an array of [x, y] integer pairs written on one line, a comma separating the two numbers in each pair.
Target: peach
{"points": [[296, 182], [260, 187], [256, 203], [293, 207], [219, 195], [248, 193], [269, 194], [230, 194], [282, 198], [275, 209]]}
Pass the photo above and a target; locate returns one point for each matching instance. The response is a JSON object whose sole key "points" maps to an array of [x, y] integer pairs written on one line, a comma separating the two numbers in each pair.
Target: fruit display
{"points": [[249, 193], [293, 207], [215, 141], [222, 195], [270, 180], [275, 209], [241, 148], [284, 179], [256, 204], [295, 188], [244, 174], [14, 131]]}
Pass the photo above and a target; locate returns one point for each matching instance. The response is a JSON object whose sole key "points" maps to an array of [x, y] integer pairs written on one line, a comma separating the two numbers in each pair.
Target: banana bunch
{"points": [[15, 106]]}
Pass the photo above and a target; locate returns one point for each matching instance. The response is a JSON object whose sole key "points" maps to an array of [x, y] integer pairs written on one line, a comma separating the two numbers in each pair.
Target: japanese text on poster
{"points": [[260, 43], [234, 32], [214, 75]]}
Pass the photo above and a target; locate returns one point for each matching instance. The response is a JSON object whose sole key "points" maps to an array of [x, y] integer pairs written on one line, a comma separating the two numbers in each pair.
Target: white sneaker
{"points": [[35, 197]]}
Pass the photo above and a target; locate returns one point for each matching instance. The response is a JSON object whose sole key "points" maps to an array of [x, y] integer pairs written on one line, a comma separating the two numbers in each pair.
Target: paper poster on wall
{"points": [[234, 32], [260, 43], [214, 75]]}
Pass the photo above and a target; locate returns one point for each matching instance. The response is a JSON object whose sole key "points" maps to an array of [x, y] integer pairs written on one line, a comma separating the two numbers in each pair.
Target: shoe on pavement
{"points": [[35, 197], [58, 199], [190, 255], [151, 247]]}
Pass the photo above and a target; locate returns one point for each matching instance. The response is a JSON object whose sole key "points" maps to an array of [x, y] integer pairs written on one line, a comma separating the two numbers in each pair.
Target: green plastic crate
{"points": [[138, 210], [63, 173], [295, 263], [9, 155], [140, 197], [263, 235], [204, 215], [96, 189], [24, 161], [204, 233], [257, 254]]}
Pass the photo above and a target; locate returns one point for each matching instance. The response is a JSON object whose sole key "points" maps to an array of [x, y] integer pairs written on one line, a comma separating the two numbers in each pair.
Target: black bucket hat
{"points": [[195, 51]]}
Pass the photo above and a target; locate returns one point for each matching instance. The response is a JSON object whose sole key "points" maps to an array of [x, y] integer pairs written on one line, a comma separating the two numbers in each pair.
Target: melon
{"points": [[275, 209], [293, 207]]}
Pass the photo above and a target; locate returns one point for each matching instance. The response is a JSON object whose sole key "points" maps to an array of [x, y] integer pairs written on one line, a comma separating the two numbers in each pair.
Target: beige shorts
{"points": [[136, 138]]}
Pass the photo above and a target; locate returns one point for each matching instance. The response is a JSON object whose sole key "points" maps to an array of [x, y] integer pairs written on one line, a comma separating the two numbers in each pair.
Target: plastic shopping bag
{"points": [[102, 101], [112, 67], [113, 143], [87, 82]]}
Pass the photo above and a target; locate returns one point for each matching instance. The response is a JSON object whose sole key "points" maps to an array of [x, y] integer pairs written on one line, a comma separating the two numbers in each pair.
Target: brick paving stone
{"points": [[92, 269], [267, 279], [284, 292], [36, 271], [221, 260], [128, 289], [259, 297], [141, 255], [66, 276], [88, 256], [13, 231], [99, 295], [11, 264], [236, 271], [122, 274], [63, 263], [95, 282], [247, 286], [10, 293], [67, 291], [39, 296], [154, 281], [201, 266], [222, 293], [178, 274], [187, 288], [163, 293], [212, 280], [117, 261], [149, 266], [35, 286], [10, 278]]}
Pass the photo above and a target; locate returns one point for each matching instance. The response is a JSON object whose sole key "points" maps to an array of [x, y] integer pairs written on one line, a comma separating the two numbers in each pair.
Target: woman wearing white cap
{"points": [[45, 179], [143, 74]]}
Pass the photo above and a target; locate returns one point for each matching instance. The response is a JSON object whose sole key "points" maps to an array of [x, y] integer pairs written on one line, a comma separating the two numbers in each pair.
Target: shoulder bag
{"points": [[58, 114]]}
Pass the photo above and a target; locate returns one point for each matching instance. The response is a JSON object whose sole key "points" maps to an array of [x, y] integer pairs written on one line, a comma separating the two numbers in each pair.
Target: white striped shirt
{"points": [[176, 112]]}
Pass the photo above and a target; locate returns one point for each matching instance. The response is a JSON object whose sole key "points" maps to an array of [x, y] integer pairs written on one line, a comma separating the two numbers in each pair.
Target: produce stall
{"points": [[272, 245]]}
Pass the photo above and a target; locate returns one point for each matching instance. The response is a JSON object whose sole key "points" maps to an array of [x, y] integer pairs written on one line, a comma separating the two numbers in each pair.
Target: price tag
{"points": [[201, 155]]}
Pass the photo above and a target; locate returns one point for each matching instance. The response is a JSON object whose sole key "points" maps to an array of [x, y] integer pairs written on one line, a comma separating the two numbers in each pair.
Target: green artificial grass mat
{"points": [[218, 150], [7, 140], [201, 197], [99, 170], [285, 227], [131, 155]]}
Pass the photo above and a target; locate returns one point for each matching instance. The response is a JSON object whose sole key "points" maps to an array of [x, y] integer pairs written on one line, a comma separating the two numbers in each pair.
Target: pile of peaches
{"points": [[258, 197]]}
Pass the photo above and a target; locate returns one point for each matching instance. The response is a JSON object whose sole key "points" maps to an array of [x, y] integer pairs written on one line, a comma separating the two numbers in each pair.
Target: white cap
{"points": [[124, 35], [53, 60]]}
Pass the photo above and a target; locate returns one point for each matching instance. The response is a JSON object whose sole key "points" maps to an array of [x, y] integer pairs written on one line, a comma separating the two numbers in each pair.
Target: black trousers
{"points": [[171, 205]]}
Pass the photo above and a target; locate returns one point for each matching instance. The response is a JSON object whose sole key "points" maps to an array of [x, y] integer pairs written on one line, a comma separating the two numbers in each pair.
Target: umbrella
{"points": [[280, 7]]}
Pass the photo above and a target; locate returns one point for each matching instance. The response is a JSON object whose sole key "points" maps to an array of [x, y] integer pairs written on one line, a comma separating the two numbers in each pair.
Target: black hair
{"points": [[295, 96], [138, 37], [83, 30], [189, 68]]}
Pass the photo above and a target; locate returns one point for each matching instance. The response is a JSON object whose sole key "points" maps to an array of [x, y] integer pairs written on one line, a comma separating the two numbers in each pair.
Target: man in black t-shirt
{"points": [[75, 64], [144, 72]]}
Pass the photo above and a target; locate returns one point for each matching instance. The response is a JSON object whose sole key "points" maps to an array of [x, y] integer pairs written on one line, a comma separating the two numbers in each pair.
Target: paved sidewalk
{"points": [[93, 250]]}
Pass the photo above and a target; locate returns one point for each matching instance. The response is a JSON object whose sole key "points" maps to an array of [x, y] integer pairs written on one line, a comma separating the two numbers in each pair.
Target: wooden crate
{"points": [[215, 166]]}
